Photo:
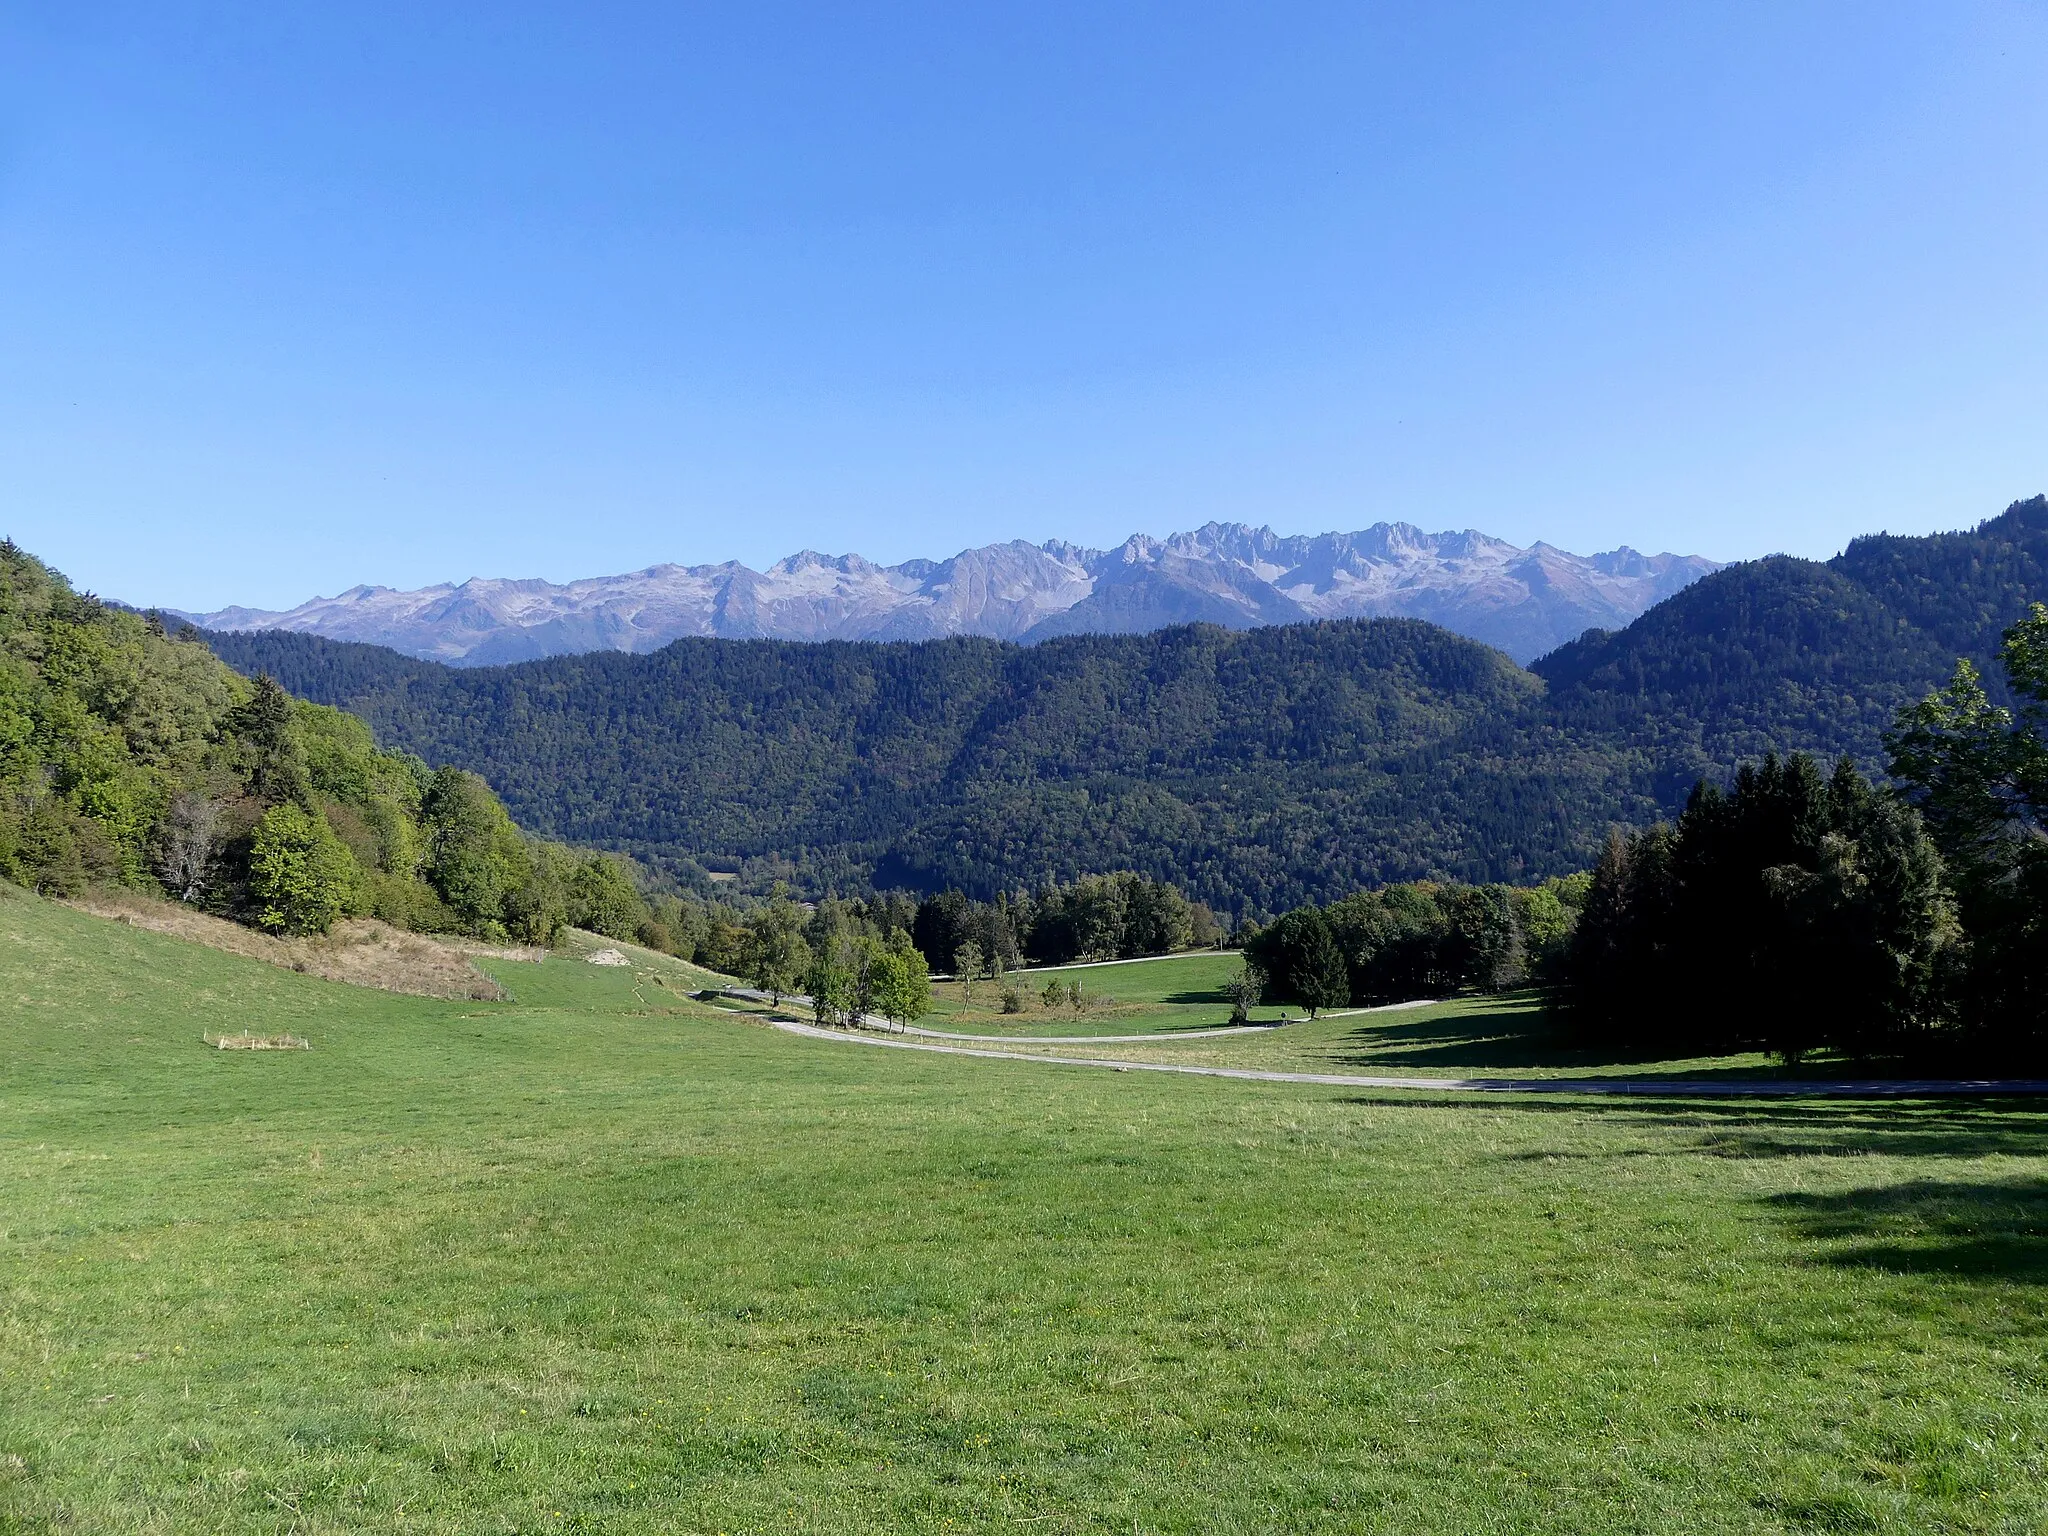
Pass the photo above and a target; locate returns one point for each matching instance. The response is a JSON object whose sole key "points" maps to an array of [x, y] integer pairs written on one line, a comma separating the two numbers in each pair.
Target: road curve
{"points": [[872, 1021], [1670, 1087], [1154, 1038]]}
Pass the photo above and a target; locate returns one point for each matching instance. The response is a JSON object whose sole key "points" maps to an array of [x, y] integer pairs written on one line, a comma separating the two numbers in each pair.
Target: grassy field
{"points": [[604, 1259], [1172, 993], [1495, 1037], [1508, 1036]]}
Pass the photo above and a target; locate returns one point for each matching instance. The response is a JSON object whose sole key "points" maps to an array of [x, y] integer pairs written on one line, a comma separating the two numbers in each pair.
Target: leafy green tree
{"points": [[834, 991], [537, 908], [266, 727], [52, 848], [603, 899], [1320, 978], [476, 855], [725, 944], [1301, 958], [1483, 945], [941, 926], [1054, 993], [1978, 773], [1157, 918], [1549, 917], [1794, 911], [777, 956], [301, 875], [901, 982]]}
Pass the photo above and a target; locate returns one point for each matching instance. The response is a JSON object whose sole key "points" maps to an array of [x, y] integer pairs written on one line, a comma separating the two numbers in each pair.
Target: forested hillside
{"points": [[132, 757], [1257, 770]]}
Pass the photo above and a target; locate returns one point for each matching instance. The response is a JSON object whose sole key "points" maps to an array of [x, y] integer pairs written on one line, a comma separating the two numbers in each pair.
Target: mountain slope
{"points": [[1210, 756], [1259, 768], [1781, 652], [1524, 601]]}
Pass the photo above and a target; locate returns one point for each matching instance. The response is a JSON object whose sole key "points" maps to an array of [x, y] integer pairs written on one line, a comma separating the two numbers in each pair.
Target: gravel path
{"points": [[795, 999]]}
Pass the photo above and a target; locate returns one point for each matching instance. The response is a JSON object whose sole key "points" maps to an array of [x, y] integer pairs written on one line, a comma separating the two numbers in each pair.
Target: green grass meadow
{"points": [[605, 1259], [1175, 992]]}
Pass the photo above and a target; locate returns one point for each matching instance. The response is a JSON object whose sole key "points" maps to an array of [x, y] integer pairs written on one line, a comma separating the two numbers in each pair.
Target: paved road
{"points": [[1669, 1087]]}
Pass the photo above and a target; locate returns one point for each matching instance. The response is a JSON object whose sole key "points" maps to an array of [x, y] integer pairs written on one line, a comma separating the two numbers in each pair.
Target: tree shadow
{"points": [[1512, 1030], [1944, 1128], [1993, 1229]]}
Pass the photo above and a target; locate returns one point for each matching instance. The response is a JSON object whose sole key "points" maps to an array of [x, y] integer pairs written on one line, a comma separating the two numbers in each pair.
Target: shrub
{"points": [[301, 875]]}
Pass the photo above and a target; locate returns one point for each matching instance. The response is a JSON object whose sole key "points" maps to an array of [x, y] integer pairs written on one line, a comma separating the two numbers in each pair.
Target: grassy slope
{"points": [[1499, 1036], [1169, 993], [601, 1259]]}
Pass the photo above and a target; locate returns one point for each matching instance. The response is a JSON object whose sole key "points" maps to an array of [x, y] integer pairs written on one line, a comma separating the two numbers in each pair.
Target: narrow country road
{"points": [[755, 995]]}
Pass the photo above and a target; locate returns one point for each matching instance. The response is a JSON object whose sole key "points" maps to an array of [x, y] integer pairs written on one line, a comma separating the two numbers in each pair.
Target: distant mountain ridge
{"points": [[1524, 601], [1257, 770]]}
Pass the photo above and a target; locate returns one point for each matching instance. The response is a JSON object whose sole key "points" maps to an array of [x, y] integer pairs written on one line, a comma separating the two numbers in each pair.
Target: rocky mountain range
{"points": [[1524, 601]]}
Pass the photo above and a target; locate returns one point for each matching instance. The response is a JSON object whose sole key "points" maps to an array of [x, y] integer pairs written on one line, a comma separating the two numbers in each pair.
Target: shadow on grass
{"points": [[1515, 1031], [1508, 1031], [1948, 1128], [1968, 1230]]}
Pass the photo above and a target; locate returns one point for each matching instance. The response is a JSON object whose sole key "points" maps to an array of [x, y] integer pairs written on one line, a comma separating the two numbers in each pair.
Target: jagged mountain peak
{"points": [[1525, 600]]}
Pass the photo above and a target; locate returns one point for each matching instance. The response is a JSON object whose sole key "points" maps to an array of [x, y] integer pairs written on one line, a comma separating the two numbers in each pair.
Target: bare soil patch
{"points": [[361, 952]]}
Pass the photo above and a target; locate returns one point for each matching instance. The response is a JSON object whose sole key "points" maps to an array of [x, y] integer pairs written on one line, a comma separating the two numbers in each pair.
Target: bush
{"points": [[301, 875], [603, 899]]}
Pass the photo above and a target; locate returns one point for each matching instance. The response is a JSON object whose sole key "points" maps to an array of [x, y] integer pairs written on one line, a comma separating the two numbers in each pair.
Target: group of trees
{"points": [[858, 975], [1799, 911], [1420, 939], [1793, 911], [852, 958], [131, 756], [1098, 917]]}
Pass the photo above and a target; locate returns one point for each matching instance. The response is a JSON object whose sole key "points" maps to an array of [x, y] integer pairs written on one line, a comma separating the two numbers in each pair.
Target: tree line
{"points": [[1421, 938], [876, 954], [1097, 917], [1800, 911]]}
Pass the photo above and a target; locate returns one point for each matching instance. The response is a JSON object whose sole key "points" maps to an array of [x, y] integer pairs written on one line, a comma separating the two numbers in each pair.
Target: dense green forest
{"points": [[1257, 771], [1798, 909], [132, 757]]}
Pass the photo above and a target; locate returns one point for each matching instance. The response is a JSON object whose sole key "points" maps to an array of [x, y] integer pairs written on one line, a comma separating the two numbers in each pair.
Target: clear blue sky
{"points": [[296, 296]]}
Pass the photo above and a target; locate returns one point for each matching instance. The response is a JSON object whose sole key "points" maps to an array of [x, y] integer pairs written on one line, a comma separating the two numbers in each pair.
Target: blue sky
{"points": [[293, 297]]}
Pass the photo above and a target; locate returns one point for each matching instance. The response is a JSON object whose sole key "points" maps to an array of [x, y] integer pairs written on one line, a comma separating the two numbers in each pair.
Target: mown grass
{"points": [[1173, 992], [604, 1259], [1502, 1036]]}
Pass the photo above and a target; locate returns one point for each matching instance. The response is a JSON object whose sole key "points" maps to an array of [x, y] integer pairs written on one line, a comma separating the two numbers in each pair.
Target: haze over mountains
{"points": [[1524, 601]]}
